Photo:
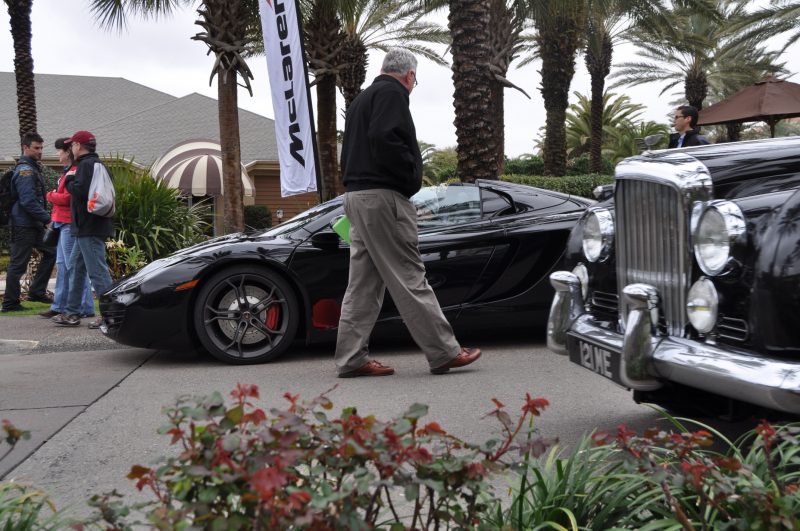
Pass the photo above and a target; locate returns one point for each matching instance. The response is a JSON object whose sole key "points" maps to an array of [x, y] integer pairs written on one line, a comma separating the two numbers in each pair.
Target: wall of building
{"points": [[266, 179]]}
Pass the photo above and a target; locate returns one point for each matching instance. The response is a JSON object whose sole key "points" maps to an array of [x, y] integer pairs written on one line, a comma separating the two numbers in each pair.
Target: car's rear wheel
{"points": [[246, 314]]}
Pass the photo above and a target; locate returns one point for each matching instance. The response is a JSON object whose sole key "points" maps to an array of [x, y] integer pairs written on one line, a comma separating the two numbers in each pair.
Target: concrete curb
{"points": [[16, 346]]}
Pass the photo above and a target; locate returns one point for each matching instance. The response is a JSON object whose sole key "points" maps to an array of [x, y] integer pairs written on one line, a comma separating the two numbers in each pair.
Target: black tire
{"points": [[254, 331]]}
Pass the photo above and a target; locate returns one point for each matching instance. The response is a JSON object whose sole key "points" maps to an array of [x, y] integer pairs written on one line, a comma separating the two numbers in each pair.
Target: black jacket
{"points": [[29, 208], [692, 139], [84, 223], [380, 147]]}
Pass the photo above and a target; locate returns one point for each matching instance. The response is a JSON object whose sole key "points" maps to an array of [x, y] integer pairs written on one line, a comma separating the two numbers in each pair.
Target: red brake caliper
{"points": [[273, 314]]}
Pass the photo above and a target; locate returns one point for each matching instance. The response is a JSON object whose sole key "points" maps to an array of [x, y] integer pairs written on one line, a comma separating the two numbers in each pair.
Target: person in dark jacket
{"points": [[382, 169], [685, 123], [28, 220], [89, 230], [60, 220]]}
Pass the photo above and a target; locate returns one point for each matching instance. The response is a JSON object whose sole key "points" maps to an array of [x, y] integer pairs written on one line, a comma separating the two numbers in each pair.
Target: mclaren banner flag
{"points": [[291, 96]]}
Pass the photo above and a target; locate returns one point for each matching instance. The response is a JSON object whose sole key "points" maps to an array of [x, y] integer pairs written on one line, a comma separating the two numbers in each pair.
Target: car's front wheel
{"points": [[246, 315]]}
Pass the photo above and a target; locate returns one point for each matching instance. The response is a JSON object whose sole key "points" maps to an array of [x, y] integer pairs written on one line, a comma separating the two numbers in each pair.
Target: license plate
{"points": [[595, 357]]}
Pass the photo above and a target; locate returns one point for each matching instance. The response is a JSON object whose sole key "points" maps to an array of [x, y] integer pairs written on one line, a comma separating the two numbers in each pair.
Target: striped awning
{"points": [[195, 167]]}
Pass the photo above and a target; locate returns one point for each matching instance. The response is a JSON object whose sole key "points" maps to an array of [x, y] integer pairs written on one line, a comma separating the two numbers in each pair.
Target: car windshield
{"points": [[303, 219], [447, 204]]}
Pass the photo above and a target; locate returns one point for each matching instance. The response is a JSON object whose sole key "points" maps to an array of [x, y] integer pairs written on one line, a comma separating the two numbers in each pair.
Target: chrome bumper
{"points": [[648, 359]]}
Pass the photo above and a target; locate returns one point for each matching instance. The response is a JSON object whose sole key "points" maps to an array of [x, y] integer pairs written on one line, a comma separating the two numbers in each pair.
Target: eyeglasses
{"points": [[415, 79], [679, 116]]}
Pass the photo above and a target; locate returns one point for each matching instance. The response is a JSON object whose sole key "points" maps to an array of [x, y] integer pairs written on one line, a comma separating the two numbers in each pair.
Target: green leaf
{"points": [[416, 411], [412, 491], [207, 495], [235, 414]]}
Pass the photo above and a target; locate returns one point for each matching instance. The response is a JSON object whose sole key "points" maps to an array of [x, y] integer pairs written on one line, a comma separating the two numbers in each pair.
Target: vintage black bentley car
{"points": [[687, 279], [488, 249]]}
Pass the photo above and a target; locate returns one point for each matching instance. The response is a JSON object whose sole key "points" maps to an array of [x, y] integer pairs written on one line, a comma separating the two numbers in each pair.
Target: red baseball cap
{"points": [[81, 137]]}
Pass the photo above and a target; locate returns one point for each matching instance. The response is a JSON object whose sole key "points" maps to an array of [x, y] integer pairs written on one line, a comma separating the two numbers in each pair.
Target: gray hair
{"points": [[398, 61]]}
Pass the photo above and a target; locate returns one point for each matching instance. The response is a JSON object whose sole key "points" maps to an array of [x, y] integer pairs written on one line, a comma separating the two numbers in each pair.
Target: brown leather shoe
{"points": [[465, 357], [370, 368]]}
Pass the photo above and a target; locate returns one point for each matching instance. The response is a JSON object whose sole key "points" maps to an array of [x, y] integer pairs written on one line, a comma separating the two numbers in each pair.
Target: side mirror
{"points": [[325, 240]]}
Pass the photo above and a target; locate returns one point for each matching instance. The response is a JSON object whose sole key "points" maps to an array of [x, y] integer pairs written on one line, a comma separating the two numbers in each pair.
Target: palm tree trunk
{"points": [[598, 63], [354, 58], [558, 39], [326, 136], [475, 129], [228, 93], [19, 12]]}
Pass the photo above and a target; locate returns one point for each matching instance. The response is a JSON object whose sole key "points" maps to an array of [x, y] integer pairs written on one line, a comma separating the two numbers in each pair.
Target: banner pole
{"points": [[308, 95]]}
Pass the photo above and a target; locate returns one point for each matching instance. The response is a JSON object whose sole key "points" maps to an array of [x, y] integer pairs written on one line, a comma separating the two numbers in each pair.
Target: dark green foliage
{"points": [[526, 165], [580, 166], [581, 185], [257, 217], [150, 215]]}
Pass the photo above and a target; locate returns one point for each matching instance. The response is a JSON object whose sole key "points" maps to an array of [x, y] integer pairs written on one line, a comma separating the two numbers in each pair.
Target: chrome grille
{"points": [[652, 227]]}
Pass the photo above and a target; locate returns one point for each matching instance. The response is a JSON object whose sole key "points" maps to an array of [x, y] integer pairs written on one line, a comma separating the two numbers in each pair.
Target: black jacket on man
{"points": [[30, 206], [380, 147], [83, 222], [692, 138]]}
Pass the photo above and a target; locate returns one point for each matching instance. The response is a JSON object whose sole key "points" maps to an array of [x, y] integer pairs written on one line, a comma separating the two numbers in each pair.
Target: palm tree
{"points": [[616, 112], [559, 28], [468, 21], [379, 25], [228, 29], [507, 22], [608, 23], [19, 12], [697, 48]]}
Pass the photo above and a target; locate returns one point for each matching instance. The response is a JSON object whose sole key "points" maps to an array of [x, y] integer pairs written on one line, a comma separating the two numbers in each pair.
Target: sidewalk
{"points": [[35, 335]]}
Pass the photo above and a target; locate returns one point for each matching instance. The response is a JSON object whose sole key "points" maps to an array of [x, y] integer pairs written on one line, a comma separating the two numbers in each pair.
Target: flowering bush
{"points": [[123, 260], [239, 467]]}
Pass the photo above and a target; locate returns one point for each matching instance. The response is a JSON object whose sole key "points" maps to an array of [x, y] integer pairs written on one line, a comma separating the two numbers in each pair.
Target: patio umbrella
{"points": [[769, 100], [195, 168]]}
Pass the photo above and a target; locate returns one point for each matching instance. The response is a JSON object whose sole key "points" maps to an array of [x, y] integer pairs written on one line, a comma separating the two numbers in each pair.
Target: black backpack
{"points": [[7, 198]]}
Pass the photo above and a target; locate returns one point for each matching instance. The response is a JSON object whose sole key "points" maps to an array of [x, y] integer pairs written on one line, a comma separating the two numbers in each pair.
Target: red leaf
{"points": [[267, 480]]}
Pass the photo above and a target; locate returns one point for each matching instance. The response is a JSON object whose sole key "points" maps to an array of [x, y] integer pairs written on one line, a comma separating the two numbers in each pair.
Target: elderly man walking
{"points": [[382, 169]]}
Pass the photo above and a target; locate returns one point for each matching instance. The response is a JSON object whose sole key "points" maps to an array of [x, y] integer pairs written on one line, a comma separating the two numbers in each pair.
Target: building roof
{"points": [[127, 118]]}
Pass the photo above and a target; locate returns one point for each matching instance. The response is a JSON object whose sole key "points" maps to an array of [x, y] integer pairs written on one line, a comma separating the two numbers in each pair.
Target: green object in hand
{"points": [[342, 228]]}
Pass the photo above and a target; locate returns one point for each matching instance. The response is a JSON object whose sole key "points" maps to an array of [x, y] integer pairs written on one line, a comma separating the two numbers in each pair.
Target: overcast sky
{"points": [[160, 54]]}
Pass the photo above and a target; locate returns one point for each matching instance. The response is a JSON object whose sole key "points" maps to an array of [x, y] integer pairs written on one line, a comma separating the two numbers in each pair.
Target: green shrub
{"points": [[151, 216], [580, 166], [123, 260], [581, 185], [257, 217], [525, 165]]}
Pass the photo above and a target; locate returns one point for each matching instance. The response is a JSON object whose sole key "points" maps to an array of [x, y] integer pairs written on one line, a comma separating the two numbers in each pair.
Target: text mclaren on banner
{"points": [[291, 98]]}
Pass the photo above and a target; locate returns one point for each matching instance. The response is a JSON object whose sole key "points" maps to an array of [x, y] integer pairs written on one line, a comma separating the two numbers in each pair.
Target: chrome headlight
{"points": [[702, 305], [720, 234], [598, 234]]}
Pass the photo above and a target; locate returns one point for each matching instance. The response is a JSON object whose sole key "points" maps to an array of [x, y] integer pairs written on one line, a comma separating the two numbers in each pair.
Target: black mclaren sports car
{"points": [[488, 248]]}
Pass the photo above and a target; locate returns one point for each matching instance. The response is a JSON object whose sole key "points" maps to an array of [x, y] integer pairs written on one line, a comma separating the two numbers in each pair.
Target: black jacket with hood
{"points": [[380, 147]]}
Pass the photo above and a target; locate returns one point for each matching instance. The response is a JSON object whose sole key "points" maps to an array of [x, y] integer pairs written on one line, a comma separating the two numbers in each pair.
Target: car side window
{"points": [[447, 205]]}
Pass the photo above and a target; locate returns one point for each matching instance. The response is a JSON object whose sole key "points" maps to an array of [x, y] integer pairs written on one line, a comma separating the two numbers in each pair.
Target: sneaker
{"points": [[49, 314], [41, 298], [67, 320], [14, 308], [94, 325]]}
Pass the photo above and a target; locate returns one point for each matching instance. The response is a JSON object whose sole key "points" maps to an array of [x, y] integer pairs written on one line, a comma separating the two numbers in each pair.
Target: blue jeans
{"points": [[64, 251], [23, 241], [88, 255]]}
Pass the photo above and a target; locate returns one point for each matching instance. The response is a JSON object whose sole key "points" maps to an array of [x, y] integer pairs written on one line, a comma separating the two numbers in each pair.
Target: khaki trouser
{"points": [[384, 254]]}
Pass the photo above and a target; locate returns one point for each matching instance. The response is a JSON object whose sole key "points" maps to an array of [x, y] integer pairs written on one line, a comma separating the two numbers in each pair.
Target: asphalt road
{"points": [[98, 411]]}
